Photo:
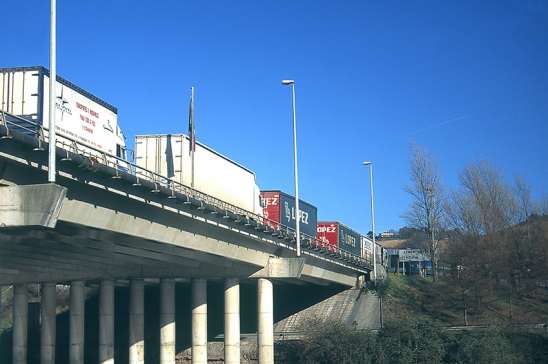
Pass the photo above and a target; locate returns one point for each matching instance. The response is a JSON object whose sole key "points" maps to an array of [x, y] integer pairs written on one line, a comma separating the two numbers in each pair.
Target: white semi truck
{"points": [[79, 116], [93, 123], [214, 174]]}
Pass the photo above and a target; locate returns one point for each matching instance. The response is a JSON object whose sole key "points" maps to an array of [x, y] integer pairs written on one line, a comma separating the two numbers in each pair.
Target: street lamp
{"points": [[52, 82], [370, 165], [295, 164]]}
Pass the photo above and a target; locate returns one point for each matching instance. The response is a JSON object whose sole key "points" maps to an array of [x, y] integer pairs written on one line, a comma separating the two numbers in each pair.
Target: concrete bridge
{"points": [[106, 222]]}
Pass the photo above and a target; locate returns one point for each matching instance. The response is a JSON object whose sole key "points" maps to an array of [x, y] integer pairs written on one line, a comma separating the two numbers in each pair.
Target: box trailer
{"points": [[279, 209], [366, 247], [79, 116], [337, 235], [214, 174]]}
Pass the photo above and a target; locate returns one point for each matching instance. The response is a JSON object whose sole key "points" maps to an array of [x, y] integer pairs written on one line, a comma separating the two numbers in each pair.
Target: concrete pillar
{"points": [[48, 317], [20, 323], [136, 322], [265, 331], [77, 316], [232, 321], [167, 321], [199, 321], [106, 322]]}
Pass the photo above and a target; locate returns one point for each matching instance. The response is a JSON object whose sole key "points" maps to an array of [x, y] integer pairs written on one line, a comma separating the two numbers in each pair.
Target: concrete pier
{"points": [[265, 330], [77, 317], [106, 322], [232, 321], [48, 317], [136, 322], [199, 321], [20, 323], [167, 321]]}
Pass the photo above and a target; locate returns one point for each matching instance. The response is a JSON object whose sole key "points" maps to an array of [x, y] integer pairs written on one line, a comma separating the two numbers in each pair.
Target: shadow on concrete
{"points": [[289, 299]]}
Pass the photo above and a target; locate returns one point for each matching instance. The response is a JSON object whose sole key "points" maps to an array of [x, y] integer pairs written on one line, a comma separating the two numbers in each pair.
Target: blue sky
{"points": [[467, 80]]}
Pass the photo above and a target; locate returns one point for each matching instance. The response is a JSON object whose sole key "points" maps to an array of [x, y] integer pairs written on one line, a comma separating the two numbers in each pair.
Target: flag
{"points": [[191, 130]]}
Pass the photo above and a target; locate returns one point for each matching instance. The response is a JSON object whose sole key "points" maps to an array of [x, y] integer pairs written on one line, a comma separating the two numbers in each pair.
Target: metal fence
{"points": [[85, 156]]}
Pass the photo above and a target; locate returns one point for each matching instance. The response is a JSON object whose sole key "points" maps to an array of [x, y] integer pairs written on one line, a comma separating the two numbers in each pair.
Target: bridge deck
{"points": [[115, 222]]}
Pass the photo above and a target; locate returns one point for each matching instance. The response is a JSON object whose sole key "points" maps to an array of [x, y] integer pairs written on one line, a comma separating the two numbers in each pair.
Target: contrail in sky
{"points": [[441, 123]]}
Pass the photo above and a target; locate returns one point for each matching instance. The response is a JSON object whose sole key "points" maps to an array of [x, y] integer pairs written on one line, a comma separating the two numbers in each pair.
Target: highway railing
{"points": [[93, 159]]}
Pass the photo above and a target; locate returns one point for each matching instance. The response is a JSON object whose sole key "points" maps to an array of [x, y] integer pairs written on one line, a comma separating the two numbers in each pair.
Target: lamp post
{"points": [[295, 164], [370, 165], [52, 82]]}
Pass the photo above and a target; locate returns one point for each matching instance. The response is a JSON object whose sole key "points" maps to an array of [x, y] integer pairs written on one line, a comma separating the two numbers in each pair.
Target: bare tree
{"points": [[523, 196], [542, 206], [426, 209], [498, 238], [485, 206], [483, 216], [492, 201], [462, 214]]}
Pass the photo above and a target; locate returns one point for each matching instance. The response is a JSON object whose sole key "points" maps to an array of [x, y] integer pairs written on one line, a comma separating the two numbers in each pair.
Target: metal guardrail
{"points": [[299, 335], [278, 335], [93, 159]]}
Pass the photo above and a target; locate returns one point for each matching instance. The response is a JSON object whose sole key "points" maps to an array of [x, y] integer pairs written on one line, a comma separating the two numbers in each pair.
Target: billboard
{"points": [[412, 255]]}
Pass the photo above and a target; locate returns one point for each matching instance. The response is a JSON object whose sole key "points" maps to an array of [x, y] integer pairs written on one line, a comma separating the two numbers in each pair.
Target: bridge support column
{"points": [[265, 330], [136, 322], [20, 323], [106, 322], [232, 321], [77, 316], [167, 321], [199, 321], [47, 329]]}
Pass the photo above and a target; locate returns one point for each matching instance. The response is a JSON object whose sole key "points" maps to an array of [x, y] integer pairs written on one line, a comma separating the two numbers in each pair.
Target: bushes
{"points": [[405, 342], [490, 346], [412, 341], [338, 344], [329, 343], [532, 346]]}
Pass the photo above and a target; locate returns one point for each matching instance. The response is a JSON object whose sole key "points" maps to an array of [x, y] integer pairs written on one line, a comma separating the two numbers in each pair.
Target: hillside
{"points": [[415, 297]]}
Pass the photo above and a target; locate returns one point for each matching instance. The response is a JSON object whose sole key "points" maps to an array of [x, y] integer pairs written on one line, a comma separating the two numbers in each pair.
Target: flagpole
{"points": [[193, 140]]}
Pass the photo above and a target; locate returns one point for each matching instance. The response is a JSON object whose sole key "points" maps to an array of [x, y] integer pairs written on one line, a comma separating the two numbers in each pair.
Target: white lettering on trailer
{"points": [[323, 239], [270, 201], [84, 119], [327, 229], [349, 239], [290, 214]]}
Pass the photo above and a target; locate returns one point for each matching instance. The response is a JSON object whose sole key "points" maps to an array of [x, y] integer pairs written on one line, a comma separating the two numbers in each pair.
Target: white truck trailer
{"points": [[80, 115], [214, 174]]}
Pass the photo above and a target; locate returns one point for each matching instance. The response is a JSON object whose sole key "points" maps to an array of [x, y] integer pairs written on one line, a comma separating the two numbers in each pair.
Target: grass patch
{"points": [[442, 303]]}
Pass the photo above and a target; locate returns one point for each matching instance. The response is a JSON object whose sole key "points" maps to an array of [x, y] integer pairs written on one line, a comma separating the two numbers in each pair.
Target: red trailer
{"points": [[279, 208], [338, 236], [328, 234]]}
